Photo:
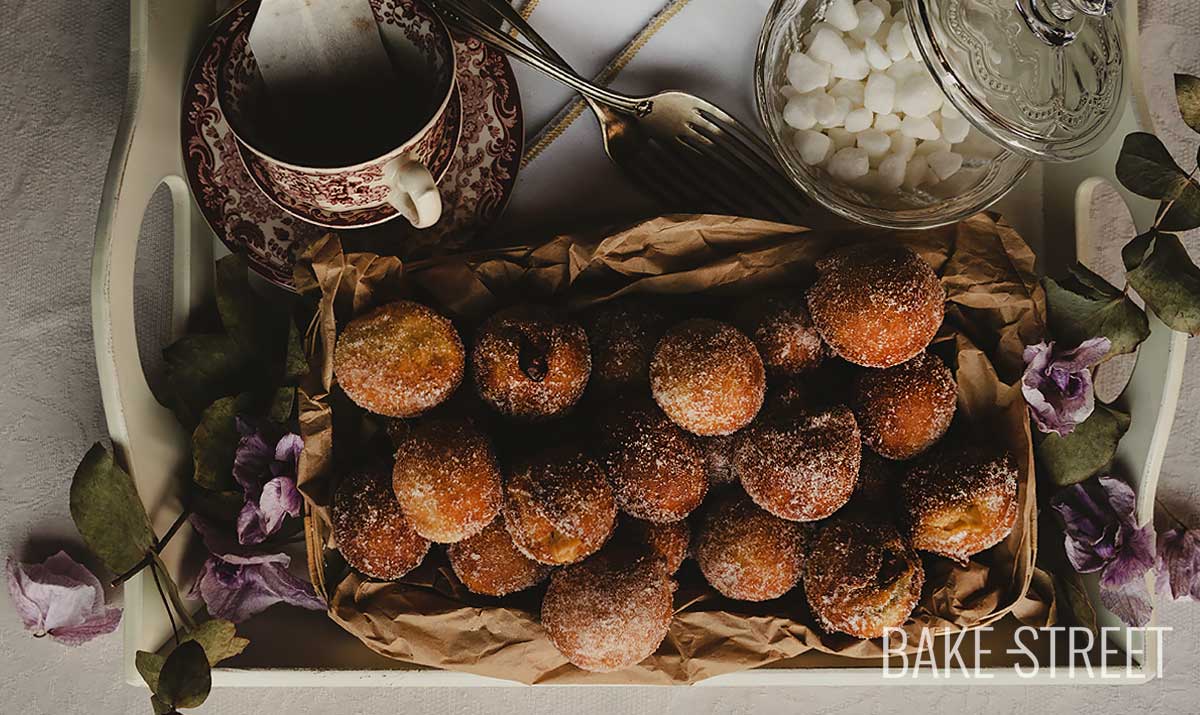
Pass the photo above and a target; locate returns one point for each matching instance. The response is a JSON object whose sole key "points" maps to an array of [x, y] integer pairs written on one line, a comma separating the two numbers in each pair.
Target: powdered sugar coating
{"points": [[489, 563], [399, 360], [707, 376], [623, 334], [802, 469], [531, 363], [657, 470], [876, 304], [783, 332], [904, 409], [669, 541], [862, 578], [718, 459], [370, 529], [559, 507], [608, 613], [960, 502], [446, 479], [746, 553]]}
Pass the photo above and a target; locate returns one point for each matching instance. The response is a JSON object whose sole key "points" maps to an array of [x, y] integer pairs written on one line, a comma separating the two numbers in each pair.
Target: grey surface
{"points": [[62, 77]]}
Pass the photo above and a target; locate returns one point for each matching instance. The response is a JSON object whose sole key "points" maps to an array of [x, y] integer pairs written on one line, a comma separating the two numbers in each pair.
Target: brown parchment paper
{"points": [[995, 307]]}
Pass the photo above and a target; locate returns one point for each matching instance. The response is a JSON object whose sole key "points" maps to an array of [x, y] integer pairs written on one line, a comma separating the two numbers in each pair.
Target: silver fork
{"points": [[683, 150]]}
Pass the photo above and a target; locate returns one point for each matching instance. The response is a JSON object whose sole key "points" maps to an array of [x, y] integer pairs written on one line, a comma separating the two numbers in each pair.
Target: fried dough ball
{"points": [[399, 360], [862, 578], [608, 612], [718, 459], [904, 409], [876, 304], [370, 529], [746, 553], [801, 469], [669, 541], [708, 377], [623, 334], [656, 469], [490, 563], [877, 480], [783, 332], [530, 362], [958, 503], [559, 507], [446, 479]]}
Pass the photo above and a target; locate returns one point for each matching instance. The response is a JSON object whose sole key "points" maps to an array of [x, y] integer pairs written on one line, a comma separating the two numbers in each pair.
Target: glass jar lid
{"points": [[1043, 77]]}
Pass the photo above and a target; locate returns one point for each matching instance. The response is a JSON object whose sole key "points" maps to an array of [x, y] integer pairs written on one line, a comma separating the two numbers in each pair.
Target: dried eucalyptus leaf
{"points": [[172, 589], [202, 368], [1083, 305], [1087, 450], [217, 506], [1073, 593], [295, 365], [219, 638], [149, 665], [160, 708], [1161, 271], [1184, 212], [108, 512], [1187, 92], [1146, 168], [214, 442], [186, 677]]}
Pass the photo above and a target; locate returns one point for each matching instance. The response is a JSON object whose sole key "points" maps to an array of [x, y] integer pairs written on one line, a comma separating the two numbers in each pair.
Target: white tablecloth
{"points": [[62, 78]]}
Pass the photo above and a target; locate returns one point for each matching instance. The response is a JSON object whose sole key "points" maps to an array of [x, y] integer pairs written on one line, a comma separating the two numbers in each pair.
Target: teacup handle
{"points": [[414, 193]]}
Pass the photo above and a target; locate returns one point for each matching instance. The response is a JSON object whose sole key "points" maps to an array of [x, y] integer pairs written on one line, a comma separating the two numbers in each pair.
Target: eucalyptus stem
{"points": [[1165, 207], [157, 549], [1162, 505], [162, 595]]}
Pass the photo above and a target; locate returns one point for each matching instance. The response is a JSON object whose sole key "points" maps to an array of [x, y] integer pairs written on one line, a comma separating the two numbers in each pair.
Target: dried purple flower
{"points": [[267, 475], [1101, 534], [1058, 385], [1178, 564], [60, 598], [237, 582]]}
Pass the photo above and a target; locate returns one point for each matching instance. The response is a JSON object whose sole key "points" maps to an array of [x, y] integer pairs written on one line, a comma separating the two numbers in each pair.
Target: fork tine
{"points": [[672, 194], [749, 175], [729, 191], [716, 194]]}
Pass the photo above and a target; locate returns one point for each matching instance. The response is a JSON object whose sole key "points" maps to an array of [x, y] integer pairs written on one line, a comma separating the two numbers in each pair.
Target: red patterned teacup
{"points": [[323, 176]]}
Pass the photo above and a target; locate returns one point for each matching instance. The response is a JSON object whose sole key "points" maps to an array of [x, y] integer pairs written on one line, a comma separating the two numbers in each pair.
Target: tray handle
{"points": [[146, 437]]}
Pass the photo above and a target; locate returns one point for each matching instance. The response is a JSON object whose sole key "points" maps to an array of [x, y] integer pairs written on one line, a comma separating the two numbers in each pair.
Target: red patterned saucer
{"points": [[475, 188]]}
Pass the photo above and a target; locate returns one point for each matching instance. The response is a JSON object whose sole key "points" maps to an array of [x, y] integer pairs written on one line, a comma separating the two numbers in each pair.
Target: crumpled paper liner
{"points": [[995, 306]]}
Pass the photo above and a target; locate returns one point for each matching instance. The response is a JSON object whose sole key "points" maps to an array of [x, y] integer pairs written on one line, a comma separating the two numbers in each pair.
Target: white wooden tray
{"points": [[165, 35]]}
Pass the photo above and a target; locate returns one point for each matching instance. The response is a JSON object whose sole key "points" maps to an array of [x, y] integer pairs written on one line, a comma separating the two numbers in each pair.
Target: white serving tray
{"points": [[165, 35]]}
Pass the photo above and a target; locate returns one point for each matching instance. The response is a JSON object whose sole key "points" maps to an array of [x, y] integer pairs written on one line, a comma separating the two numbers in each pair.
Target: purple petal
{"points": [[1121, 497], [1130, 602], [239, 591], [1134, 557], [1037, 357], [1178, 564], [279, 499], [250, 528], [251, 461], [287, 455], [60, 597], [1088, 353], [221, 543]]}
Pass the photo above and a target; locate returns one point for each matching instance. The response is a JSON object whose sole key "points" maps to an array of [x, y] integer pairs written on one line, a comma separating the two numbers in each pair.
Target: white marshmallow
{"points": [[870, 17], [880, 93], [887, 122], [842, 15], [798, 112], [929, 147], [949, 110], [897, 47], [849, 164], [829, 47], [859, 120], [944, 164], [918, 96], [814, 147], [919, 128], [903, 146], [824, 109], [955, 129], [855, 65], [806, 74], [885, 6], [841, 138], [911, 41], [905, 68], [916, 172], [874, 142], [851, 89], [877, 57], [891, 172]]}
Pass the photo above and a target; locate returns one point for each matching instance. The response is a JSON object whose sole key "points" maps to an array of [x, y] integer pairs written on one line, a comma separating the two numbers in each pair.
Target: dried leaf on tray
{"points": [[995, 307]]}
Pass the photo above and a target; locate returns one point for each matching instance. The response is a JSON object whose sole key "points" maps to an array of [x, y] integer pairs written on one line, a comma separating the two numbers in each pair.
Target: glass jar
{"points": [[1036, 79]]}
